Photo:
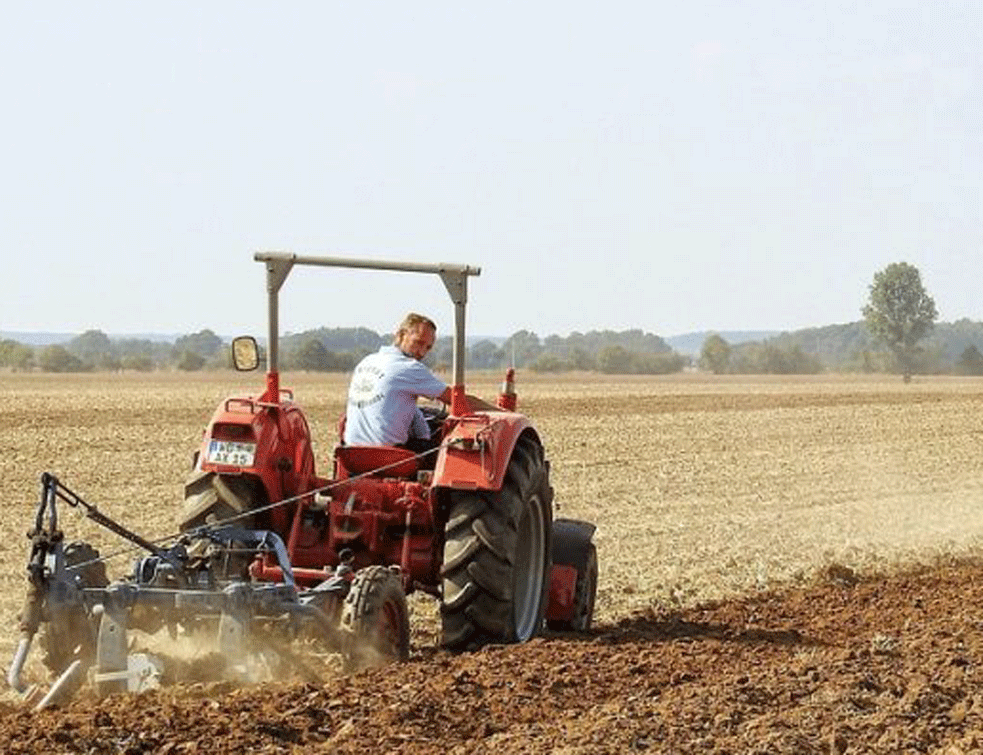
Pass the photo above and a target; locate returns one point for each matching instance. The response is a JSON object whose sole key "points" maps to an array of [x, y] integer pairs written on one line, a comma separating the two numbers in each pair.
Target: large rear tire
{"points": [[69, 635], [497, 556], [375, 623]]}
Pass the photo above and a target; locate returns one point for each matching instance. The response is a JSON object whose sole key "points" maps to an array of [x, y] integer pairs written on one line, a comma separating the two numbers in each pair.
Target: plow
{"points": [[195, 589], [273, 560]]}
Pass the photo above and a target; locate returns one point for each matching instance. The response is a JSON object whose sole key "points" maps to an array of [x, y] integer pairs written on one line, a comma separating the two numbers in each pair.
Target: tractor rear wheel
{"points": [[68, 634], [497, 556], [375, 621]]}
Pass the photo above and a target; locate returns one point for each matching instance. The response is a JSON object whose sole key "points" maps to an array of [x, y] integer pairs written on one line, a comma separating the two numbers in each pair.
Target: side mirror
{"points": [[245, 353]]}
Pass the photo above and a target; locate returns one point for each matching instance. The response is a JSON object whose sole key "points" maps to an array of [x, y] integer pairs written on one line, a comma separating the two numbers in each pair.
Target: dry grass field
{"points": [[702, 488]]}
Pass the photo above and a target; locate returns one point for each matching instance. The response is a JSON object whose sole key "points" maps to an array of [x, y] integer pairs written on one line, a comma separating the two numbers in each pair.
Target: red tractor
{"points": [[270, 549], [470, 522]]}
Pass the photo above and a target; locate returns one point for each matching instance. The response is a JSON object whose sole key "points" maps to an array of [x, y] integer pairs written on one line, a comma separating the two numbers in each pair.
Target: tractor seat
{"points": [[377, 461]]}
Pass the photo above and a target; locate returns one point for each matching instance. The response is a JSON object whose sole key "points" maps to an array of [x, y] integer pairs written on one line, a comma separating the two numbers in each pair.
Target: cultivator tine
{"points": [[20, 656], [233, 627], [64, 686], [233, 634], [111, 673]]}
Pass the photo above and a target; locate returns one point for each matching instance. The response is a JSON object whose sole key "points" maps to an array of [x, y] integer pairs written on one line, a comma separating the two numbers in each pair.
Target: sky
{"points": [[673, 167]]}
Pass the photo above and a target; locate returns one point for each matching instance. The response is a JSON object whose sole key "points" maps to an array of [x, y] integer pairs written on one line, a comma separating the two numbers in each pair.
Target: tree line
{"points": [[340, 349], [897, 335], [94, 351]]}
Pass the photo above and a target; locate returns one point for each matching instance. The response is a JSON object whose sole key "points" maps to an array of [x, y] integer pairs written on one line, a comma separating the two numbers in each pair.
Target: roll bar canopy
{"points": [[455, 278]]}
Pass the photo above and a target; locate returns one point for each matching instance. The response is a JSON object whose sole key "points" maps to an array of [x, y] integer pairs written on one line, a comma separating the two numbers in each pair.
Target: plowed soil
{"points": [[786, 567]]}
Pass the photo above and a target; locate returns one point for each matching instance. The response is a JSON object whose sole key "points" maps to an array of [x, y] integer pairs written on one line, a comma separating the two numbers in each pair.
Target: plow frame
{"points": [[166, 585]]}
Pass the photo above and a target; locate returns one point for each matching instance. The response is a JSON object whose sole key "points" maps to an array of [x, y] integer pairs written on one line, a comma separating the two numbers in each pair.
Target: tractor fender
{"points": [[476, 450], [570, 540]]}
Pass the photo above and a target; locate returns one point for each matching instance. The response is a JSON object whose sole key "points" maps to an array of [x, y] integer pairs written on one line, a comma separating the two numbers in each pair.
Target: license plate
{"points": [[231, 453]]}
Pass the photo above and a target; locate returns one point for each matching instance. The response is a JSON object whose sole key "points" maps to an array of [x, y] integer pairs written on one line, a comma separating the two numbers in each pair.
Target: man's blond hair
{"points": [[411, 322]]}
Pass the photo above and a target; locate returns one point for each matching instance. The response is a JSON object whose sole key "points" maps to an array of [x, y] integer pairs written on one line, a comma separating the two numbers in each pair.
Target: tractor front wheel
{"points": [[497, 556], [375, 622]]}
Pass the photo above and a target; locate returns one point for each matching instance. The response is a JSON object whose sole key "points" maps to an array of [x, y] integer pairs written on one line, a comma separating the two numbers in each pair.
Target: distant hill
{"points": [[691, 343]]}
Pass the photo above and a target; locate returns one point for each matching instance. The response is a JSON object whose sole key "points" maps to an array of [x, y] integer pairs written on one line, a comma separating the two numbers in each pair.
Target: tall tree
{"points": [[16, 355], [190, 361], [521, 348], [93, 346], [313, 356], [204, 343], [971, 361], [485, 355], [715, 355], [57, 358], [615, 360], [900, 312]]}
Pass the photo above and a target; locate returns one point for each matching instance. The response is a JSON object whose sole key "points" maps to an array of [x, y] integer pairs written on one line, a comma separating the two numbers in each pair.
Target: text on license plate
{"points": [[232, 453]]}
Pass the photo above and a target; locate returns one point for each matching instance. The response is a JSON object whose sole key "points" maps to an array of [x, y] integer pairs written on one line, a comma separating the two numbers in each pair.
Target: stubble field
{"points": [[733, 490]]}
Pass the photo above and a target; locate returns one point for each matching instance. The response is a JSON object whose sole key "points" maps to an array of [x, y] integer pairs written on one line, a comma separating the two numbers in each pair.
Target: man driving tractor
{"points": [[382, 408]]}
